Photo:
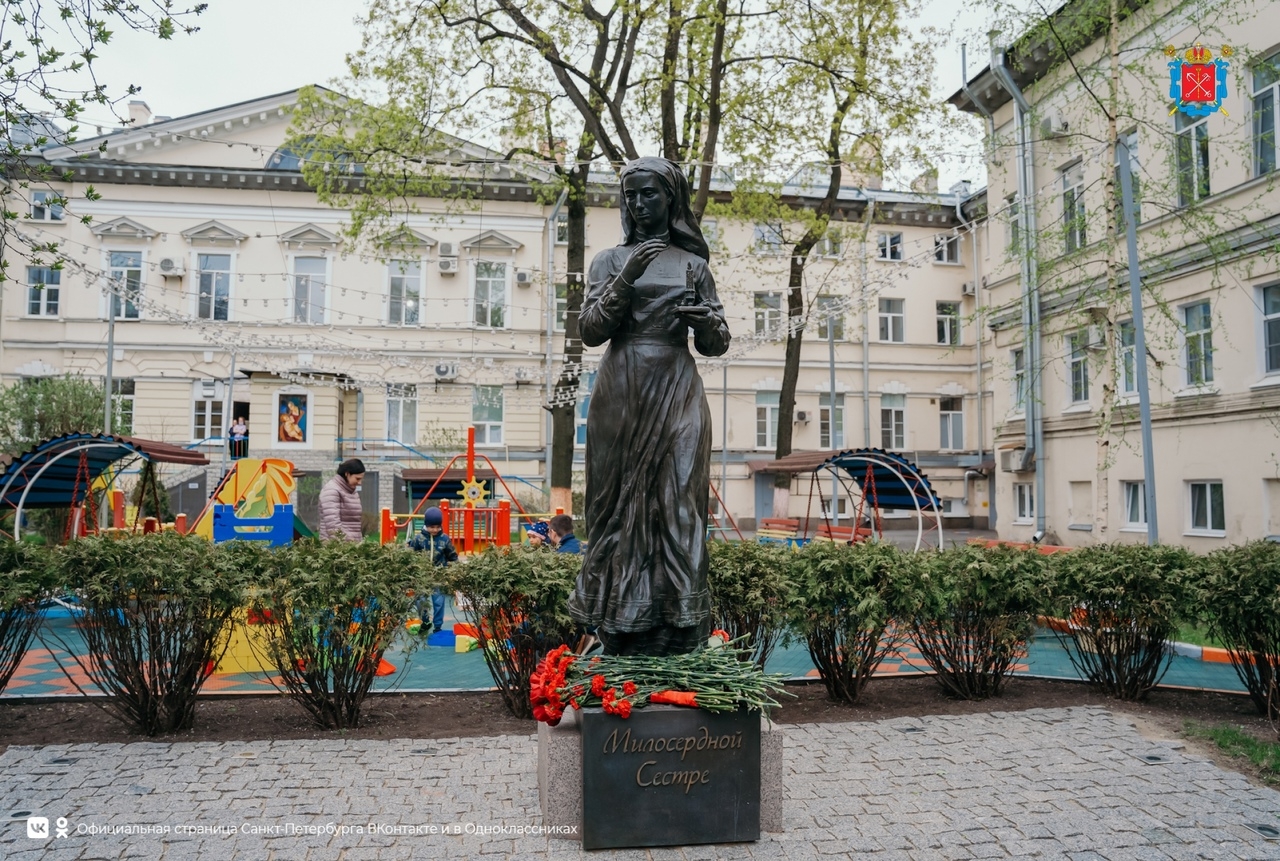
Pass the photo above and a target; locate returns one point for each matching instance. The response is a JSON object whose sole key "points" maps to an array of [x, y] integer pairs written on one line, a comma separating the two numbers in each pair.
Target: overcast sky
{"points": [[251, 48]]}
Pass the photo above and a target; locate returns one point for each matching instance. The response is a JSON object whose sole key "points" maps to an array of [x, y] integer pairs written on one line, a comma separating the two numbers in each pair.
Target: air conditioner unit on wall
{"points": [[1094, 339], [448, 249], [1017, 460], [804, 416], [171, 267], [1052, 125], [446, 371], [967, 288], [448, 265], [523, 278]]}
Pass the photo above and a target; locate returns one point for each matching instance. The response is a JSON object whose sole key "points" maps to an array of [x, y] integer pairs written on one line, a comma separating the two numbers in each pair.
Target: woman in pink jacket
{"points": [[340, 507]]}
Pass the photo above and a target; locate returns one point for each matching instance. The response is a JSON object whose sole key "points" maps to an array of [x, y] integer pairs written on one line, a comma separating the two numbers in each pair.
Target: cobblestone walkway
{"points": [[1045, 784]]}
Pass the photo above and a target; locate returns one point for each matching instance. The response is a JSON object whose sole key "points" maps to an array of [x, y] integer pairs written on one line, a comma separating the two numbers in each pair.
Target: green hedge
{"points": [[750, 586], [25, 580], [1239, 596]]}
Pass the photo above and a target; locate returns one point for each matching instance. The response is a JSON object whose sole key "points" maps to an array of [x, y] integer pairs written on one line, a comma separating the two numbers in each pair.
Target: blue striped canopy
{"points": [[890, 492]]}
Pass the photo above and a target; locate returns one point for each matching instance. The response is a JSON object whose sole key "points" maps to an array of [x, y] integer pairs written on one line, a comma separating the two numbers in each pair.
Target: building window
{"points": [[125, 278], [562, 305], [1019, 381], [768, 307], [951, 412], [1206, 507], [402, 413], [122, 393], [1128, 357], [309, 289], [767, 419], [1271, 327], [586, 382], [486, 414], [831, 245], [405, 291], [949, 323], [1078, 359], [1024, 502], [946, 248], [1131, 141], [43, 289], [562, 228], [1015, 231], [491, 294], [892, 320], [207, 412], [1199, 344], [711, 233], [1266, 96], [46, 206], [214, 285], [889, 246], [893, 421], [1192, 149], [825, 437], [830, 309], [767, 239], [1073, 217], [1135, 503]]}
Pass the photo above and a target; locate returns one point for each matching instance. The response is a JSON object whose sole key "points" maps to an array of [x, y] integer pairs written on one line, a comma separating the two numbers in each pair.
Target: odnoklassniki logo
{"points": [[1198, 82]]}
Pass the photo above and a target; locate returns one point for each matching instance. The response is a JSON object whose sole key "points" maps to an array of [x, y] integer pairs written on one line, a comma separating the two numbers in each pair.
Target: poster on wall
{"points": [[292, 420]]}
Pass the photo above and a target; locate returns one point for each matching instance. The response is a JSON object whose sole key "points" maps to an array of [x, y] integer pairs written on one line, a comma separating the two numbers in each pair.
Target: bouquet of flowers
{"points": [[718, 679]]}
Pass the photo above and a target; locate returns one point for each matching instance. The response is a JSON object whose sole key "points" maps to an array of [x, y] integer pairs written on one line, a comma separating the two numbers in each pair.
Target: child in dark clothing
{"points": [[433, 539]]}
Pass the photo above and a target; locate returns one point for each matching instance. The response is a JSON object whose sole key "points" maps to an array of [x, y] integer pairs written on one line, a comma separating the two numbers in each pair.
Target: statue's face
{"points": [[647, 201]]}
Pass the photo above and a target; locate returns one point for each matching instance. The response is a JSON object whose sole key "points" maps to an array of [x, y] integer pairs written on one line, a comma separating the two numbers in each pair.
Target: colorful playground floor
{"points": [[49, 669]]}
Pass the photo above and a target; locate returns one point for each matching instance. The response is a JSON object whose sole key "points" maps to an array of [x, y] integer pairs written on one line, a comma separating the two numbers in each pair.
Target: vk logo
{"points": [[38, 827]]}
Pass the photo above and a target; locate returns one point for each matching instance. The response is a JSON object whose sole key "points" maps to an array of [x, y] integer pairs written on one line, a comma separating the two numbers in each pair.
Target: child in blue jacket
{"points": [[433, 539]]}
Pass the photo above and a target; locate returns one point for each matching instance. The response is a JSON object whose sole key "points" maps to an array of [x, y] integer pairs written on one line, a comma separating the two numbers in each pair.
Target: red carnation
{"points": [[597, 685], [628, 687], [623, 709]]}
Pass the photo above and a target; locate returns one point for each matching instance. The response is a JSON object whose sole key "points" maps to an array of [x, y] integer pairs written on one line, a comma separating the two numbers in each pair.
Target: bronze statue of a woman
{"points": [[644, 577]]}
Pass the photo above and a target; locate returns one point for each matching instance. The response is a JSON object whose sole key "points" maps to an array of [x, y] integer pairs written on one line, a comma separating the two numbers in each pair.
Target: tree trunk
{"points": [[564, 402]]}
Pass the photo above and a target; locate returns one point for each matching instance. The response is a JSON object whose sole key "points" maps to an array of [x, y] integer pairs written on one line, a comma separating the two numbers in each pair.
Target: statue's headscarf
{"points": [[682, 225]]}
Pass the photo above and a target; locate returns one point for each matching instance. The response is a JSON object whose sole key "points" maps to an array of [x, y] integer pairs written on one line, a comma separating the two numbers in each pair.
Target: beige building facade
{"points": [[226, 288]]}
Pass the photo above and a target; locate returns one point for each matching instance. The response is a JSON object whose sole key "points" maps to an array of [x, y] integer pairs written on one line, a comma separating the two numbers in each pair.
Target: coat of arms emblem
{"points": [[1198, 82]]}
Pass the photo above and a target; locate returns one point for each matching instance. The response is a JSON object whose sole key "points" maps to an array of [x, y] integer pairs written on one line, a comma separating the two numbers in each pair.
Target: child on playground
{"points": [[433, 539]]}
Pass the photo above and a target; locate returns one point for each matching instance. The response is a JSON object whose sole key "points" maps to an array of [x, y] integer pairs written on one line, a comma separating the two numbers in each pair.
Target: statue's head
{"points": [[654, 191]]}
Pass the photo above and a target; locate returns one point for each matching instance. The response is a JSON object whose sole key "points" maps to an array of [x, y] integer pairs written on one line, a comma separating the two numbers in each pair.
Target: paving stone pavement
{"points": [[1044, 784]]}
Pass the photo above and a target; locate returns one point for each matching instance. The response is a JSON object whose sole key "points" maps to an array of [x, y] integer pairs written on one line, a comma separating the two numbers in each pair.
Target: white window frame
{"points": [[768, 319], [1024, 502], [111, 270], [820, 304], [1209, 528], [893, 421], [1074, 219], [489, 433], [398, 269], [231, 280], [946, 249], [124, 393], [767, 241], [949, 328], [830, 246], [39, 296], [889, 246], [1197, 351], [1127, 365], [824, 423], [951, 424], [402, 397], [489, 305], [893, 321], [586, 383], [767, 406], [1078, 367], [208, 429], [49, 213], [1191, 157], [1018, 362], [294, 306], [560, 312], [562, 228], [1014, 232], [1265, 162], [1133, 495], [1270, 334]]}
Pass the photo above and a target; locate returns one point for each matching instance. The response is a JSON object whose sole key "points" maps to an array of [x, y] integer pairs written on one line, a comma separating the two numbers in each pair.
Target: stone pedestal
{"points": [[560, 769]]}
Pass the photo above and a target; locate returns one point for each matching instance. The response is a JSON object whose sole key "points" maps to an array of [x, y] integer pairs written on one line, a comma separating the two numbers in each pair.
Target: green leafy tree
{"points": [[39, 408], [48, 81]]}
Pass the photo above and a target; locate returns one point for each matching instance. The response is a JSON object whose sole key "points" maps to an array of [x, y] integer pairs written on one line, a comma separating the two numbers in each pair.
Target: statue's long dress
{"points": [[644, 576]]}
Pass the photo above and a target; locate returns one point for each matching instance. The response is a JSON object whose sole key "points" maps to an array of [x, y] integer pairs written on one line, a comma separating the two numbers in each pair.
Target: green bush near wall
{"points": [[25, 580], [1239, 596], [750, 589]]}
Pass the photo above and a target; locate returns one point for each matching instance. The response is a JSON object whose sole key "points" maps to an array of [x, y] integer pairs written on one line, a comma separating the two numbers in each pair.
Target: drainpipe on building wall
{"points": [[866, 326], [1030, 277], [551, 327], [359, 421]]}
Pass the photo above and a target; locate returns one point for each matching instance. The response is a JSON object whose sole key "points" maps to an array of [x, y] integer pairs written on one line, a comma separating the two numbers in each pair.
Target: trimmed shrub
{"points": [[155, 621], [1240, 597], [517, 599], [976, 611], [1122, 601], [24, 583], [844, 600], [329, 611], [750, 585]]}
